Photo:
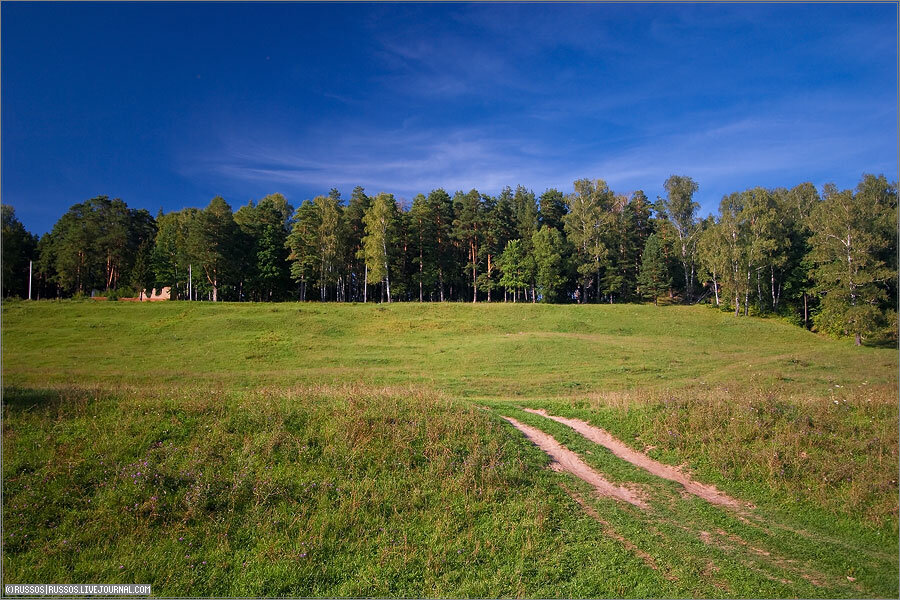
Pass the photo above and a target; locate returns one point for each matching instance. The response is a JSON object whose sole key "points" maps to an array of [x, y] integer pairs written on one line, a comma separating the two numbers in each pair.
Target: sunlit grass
{"points": [[358, 450]]}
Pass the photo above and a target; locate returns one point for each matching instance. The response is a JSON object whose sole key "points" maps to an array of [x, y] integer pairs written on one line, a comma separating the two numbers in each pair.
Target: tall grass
{"points": [[312, 450], [839, 452], [321, 491]]}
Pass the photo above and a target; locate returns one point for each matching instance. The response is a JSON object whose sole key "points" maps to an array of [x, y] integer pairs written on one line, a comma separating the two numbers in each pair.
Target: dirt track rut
{"points": [[566, 460], [599, 436]]}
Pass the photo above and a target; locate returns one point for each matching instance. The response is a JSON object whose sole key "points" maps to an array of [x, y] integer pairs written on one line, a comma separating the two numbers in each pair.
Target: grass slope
{"points": [[496, 350], [358, 450]]}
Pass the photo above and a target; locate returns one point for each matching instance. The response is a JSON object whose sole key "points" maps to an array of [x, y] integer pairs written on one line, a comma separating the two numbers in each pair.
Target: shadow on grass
{"points": [[884, 342], [23, 399]]}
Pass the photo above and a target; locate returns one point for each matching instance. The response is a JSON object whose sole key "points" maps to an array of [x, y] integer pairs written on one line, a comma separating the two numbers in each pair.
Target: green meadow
{"points": [[360, 450]]}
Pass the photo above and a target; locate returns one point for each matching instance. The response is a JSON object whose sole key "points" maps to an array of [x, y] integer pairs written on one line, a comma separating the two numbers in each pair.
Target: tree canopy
{"points": [[826, 260]]}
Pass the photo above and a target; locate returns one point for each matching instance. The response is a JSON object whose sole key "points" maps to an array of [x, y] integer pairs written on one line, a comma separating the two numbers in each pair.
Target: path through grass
{"points": [[312, 450]]}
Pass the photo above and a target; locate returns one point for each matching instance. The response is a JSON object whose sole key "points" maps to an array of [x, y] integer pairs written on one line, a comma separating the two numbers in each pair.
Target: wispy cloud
{"points": [[540, 97]]}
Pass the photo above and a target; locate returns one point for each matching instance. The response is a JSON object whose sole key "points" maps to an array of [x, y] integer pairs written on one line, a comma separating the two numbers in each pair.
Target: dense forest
{"points": [[824, 260]]}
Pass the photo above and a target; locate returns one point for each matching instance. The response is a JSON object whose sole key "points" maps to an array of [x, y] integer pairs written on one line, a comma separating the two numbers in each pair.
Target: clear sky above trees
{"points": [[168, 105]]}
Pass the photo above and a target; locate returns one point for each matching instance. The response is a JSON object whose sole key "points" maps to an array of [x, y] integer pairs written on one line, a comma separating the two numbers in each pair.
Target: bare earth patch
{"points": [[566, 460], [602, 437]]}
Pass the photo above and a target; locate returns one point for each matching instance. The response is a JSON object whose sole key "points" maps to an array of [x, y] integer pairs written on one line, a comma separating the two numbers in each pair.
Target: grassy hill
{"points": [[485, 350], [308, 449]]}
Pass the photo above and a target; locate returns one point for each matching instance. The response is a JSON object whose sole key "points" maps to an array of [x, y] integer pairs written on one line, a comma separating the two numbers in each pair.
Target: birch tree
{"points": [[381, 223], [847, 240], [681, 209]]}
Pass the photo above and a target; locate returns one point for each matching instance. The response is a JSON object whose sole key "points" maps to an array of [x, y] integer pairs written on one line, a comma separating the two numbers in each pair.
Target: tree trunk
{"points": [[774, 300], [366, 284], [759, 289], [716, 288], [858, 339], [474, 275], [489, 276], [747, 294], [805, 312]]}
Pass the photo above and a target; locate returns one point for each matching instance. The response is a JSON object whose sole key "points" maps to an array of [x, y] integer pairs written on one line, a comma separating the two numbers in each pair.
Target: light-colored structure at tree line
{"points": [[156, 295]]}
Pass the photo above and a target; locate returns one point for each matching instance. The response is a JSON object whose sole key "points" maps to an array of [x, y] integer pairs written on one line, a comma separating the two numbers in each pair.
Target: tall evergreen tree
{"points": [[441, 208], [302, 244], [356, 229], [654, 279], [143, 279], [94, 244], [499, 228], [637, 227], [19, 247], [552, 209], [422, 230], [468, 229], [211, 242]]}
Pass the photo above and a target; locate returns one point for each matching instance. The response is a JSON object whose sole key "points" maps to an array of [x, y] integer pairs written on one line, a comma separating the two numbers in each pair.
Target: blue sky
{"points": [[168, 104]]}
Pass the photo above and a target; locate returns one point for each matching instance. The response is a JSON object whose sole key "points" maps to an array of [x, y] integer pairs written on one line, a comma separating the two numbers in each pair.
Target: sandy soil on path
{"points": [[566, 460], [599, 436]]}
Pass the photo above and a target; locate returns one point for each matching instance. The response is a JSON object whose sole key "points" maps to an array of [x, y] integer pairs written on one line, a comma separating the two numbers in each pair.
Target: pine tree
{"points": [[654, 279], [18, 248], [303, 246], [441, 208], [211, 242], [468, 229]]}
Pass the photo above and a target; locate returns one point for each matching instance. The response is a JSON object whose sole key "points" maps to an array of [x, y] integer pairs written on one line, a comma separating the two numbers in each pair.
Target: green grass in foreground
{"points": [[313, 450]]}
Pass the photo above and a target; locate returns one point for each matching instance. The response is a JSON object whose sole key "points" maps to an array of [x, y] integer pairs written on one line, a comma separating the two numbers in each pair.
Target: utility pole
{"points": [[29, 280]]}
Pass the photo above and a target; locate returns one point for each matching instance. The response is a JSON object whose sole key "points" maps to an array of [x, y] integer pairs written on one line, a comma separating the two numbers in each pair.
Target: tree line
{"points": [[828, 259]]}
